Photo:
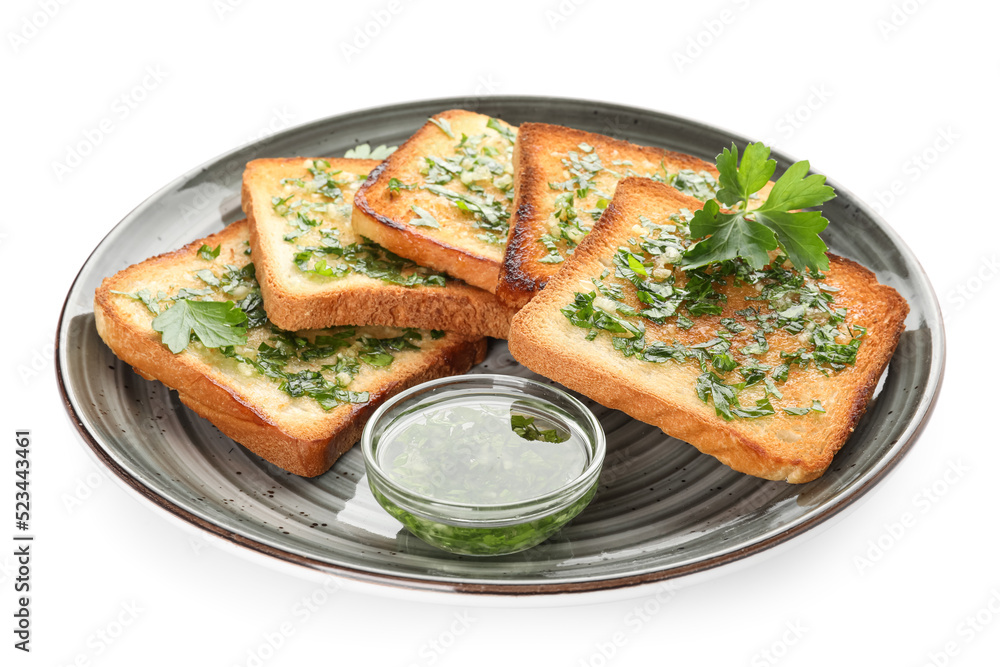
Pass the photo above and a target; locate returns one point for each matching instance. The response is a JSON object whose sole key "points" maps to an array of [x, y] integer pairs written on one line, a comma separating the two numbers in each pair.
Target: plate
{"points": [[663, 511]]}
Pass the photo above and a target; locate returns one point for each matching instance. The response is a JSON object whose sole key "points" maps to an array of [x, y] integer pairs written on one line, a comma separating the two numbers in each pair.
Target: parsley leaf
{"points": [[208, 253], [207, 277], [739, 181], [366, 152], [443, 125], [151, 302], [425, 219], [730, 235], [502, 130], [215, 323], [395, 185], [815, 407], [752, 233], [763, 409], [724, 396], [525, 427]]}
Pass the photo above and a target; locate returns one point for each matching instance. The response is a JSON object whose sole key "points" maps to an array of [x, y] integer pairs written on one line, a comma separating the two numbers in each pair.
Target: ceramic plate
{"points": [[663, 511]]}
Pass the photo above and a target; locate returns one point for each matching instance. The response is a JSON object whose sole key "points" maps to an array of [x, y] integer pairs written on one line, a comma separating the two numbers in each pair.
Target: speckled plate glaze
{"points": [[663, 512]]}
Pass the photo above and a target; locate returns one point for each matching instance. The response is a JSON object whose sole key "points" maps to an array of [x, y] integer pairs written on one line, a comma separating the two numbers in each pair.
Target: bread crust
{"points": [[306, 447], [779, 447], [383, 217], [537, 162], [361, 300]]}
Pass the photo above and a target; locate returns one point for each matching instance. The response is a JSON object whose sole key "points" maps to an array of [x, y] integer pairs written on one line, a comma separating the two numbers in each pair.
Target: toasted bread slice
{"points": [[684, 373], [315, 271], [564, 178], [268, 394], [443, 198]]}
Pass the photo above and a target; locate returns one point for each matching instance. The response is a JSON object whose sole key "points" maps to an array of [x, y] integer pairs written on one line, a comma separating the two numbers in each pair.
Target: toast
{"points": [[564, 178], [762, 370], [315, 271], [297, 400], [443, 199]]}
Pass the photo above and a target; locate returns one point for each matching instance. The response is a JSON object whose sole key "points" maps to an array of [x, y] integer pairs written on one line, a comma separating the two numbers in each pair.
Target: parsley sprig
{"points": [[740, 231], [215, 323]]}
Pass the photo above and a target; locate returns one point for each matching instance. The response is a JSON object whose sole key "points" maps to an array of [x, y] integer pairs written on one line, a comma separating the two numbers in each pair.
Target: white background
{"points": [[874, 84]]}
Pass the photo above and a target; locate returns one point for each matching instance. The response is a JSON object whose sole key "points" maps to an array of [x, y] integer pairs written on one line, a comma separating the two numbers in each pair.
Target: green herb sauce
{"points": [[483, 451], [485, 541]]}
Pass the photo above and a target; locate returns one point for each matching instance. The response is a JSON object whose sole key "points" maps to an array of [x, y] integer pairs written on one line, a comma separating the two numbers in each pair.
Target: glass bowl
{"points": [[483, 465]]}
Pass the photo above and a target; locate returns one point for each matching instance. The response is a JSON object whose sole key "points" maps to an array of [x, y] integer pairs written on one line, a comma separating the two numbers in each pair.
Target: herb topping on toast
{"points": [[225, 319], [672, 278], [316, 209], [476, 177], [589, 187]]}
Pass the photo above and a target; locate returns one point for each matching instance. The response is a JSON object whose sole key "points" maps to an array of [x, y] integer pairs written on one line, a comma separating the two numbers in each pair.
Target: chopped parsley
{"points": [[585, 195], [424, 219], [478, 173], [366, 152], [503, 130], [208, 253], [650, 285], [395, 185], [318, 210], [525, 427], [443, 125], [152, 303], [227, 319]]}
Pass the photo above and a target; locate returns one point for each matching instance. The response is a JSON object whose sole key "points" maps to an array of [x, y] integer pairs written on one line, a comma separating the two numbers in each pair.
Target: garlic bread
{"points": [[443, 199], [563, 180], [768, 371], [315, 271], [299, 400]]}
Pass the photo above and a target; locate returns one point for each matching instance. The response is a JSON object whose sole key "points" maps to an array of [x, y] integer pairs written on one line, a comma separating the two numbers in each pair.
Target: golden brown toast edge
{"points": [[457, 307], [538, 341], [521, 275], [404, 239], [309, 451]]}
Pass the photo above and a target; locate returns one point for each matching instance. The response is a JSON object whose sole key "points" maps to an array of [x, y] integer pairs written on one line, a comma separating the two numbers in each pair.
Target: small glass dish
{"points": [[483, 465]]}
